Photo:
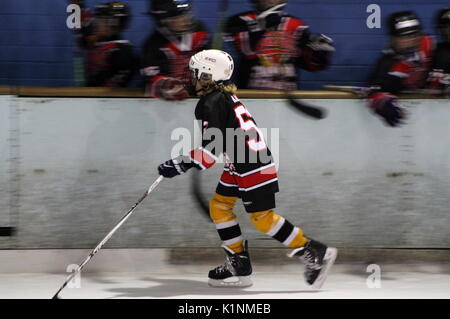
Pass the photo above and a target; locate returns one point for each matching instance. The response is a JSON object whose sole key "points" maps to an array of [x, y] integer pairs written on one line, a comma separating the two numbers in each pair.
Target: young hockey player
{"points": [[273, 45], [109, 60], [440, 74], [249, 174], [405, 65], [177, 37]]}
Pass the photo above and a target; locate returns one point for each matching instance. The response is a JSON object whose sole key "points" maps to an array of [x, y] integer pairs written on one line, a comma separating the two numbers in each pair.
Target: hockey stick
{"points": [[199, 199], [218, 36], [108, 236], [314, 112], [364, 91]]}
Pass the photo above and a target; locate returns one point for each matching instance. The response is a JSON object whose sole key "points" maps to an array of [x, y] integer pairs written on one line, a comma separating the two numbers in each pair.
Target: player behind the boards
{"points": [[440, 68], [109, 59], [404, 66], [249, 174], [273, 46], [177, 36]]}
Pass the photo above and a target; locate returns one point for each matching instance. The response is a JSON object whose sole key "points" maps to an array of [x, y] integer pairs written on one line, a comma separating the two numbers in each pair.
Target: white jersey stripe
{"points": [[250, 172], [227, 185]]}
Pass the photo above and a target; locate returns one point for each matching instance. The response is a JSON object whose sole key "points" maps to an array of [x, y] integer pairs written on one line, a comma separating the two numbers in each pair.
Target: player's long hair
{"points": [[225, 86]]}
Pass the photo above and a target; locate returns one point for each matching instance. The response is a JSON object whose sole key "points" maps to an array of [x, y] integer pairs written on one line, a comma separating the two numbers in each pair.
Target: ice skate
{"points": [[318, 259], [235, 272]]}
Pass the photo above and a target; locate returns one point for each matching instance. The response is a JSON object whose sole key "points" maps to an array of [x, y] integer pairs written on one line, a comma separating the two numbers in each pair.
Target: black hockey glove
{"points": [[175, 166], [320, 42], [387, 106]]}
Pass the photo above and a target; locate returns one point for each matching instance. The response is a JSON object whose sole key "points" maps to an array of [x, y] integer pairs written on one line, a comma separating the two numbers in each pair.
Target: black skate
{"points": [[235, 272], [318, 260]]}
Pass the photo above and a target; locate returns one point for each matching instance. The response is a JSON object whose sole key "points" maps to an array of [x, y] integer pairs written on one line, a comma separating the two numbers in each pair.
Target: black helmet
{"points": [[114, 9], [262, 5], [443, 18], [404, 23], [163, 9]]}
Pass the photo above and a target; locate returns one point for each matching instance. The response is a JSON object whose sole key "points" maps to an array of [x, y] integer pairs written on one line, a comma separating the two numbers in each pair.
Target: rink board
{"points": [[71, 168]]}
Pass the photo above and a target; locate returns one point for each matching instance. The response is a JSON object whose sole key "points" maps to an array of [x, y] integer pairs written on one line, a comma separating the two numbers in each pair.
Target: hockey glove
{"points": [[172, 89], [175, 166], [439, 80], [388, 107], [320, 42]]}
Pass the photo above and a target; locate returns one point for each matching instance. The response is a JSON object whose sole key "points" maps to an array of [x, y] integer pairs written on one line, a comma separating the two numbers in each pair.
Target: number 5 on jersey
{"points": [[248, 124]]}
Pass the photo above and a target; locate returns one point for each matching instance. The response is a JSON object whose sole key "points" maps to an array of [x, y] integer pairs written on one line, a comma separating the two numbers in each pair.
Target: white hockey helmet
{"points": [[215, 65]]}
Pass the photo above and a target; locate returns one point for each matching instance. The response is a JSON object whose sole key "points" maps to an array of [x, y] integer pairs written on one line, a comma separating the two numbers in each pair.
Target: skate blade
{"points": [[233, 282], [329, 258]]}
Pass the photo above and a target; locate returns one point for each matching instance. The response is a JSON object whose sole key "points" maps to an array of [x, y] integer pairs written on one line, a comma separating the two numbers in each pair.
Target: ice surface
{"points": [[345, 281]]}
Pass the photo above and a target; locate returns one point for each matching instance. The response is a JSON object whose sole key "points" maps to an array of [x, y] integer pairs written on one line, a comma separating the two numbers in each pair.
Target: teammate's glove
{"points": [[388, 107], [172, 89], [320, 42], [175, 166], [439, 80]]}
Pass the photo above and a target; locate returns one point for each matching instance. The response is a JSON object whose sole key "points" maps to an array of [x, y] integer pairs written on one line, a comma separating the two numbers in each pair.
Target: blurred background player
{"points": [[109, 60], [178, 35], [440, 68], [273, 45], [405, 65], [250, 175]]}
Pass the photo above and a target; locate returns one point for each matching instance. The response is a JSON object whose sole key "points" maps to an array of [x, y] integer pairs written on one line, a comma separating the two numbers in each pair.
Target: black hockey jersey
{"points": [[441, 57], [270, 58], [394, 72], [110, 63], [167, 55], [439, 77], [229, 129]]}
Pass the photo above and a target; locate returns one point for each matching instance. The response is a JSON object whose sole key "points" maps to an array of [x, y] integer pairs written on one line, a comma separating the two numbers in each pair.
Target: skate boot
{"points": [[318, 260], [235, 272]]}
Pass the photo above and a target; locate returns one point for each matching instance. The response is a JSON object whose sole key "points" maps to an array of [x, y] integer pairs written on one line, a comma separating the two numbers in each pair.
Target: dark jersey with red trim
{"points": [[395, 72], [439, 77], [441, 57], [110, 63], [229, 129], [270, 58], [167, 55]]}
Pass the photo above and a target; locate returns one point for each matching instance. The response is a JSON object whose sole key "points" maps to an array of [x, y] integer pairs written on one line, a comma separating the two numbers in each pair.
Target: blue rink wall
{"points": [[36, 47], [71, 168]]}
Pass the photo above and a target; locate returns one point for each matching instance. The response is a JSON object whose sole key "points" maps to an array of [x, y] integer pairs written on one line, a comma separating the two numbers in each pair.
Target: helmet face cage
{"points": [[262, 5], [174, 15], [404, 23], [115, 11], [196, 75], [165, 9]]}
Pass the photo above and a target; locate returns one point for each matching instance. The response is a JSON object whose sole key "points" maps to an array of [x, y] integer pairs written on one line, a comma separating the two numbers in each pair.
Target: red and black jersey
{"points": [[270, 58], [110, 63], [167, 55], [249, 171], [394, 72]]}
